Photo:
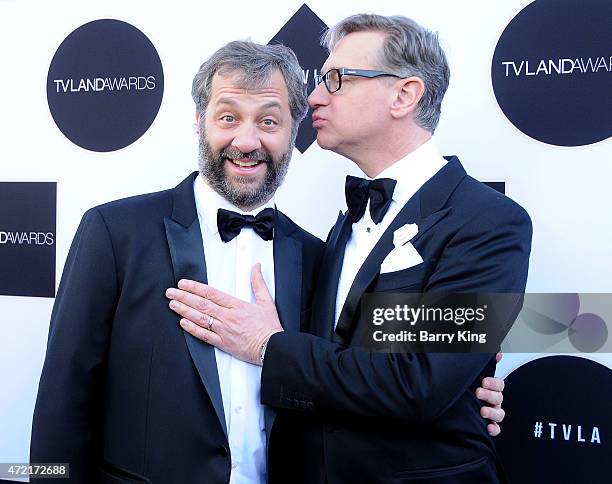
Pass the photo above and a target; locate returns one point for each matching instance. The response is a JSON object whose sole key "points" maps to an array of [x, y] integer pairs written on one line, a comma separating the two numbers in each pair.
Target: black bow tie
{"points": [[378, 191], [231, 223]]}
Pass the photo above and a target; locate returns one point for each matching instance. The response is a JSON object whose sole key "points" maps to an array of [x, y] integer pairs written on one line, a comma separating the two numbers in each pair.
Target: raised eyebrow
{"points": [[227, 100], [231, 102], [272, 104]]}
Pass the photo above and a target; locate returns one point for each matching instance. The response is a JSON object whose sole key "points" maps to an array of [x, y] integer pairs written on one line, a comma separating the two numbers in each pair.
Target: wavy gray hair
{"points": [[409, 50], [256, 63]]}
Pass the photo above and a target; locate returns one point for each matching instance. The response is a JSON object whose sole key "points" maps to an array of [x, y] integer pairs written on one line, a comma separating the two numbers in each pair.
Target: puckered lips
{"points": [[317, 120]]}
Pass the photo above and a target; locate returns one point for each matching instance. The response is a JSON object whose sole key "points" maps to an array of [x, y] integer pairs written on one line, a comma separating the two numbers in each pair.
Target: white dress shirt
{"points": [[411, 172], [228, 267]]}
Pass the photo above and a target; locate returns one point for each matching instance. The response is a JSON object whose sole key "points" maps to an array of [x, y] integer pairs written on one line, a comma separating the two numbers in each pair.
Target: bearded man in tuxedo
{"points": [[125, 394]]}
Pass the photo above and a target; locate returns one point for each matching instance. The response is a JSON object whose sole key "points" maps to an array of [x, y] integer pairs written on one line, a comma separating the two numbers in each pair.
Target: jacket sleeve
{"points": [[67, 419], [490, 253]]}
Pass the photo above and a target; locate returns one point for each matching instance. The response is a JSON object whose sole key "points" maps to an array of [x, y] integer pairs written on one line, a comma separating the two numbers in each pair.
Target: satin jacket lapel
{"points": [[370, 268], [424, 209], [287, 274], [287, 287], [324, 304], [187, 252]]}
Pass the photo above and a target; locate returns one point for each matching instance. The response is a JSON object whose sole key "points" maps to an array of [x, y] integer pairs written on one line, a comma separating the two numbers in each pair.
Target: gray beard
{"points": [[243, 194]]}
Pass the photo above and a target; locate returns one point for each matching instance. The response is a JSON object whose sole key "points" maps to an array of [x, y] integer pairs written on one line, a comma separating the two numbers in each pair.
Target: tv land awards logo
{"points": [[302, 33], [27, 238], [105, 85], [558, 422], [552, 71]]}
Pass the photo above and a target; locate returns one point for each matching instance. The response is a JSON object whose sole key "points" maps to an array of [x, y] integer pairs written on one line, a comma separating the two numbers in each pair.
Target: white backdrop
{"points": [[563, 189]]}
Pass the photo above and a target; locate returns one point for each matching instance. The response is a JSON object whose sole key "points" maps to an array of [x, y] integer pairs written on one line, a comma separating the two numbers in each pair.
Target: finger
{"points": [[494, 414], [195, 316], [260, 290], [495, 384], [493, 429], [201, 333], [489, 396], [207, 292], [196, 302], [499, 356]]}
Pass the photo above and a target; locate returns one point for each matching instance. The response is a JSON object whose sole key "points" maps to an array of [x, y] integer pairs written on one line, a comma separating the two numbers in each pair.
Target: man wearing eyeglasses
{"points": [[381, 417]]}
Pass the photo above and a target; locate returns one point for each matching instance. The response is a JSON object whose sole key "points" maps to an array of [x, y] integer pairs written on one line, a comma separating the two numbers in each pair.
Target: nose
{"points": [[318, 97], [247, 138]]}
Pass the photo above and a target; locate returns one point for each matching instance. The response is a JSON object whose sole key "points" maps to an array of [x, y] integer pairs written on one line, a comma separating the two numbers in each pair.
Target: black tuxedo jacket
{"points": [[375, 417], [125, 394]]}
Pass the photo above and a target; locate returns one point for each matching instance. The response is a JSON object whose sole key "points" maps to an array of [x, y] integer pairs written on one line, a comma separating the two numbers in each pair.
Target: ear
{"points": [[408, 93]]}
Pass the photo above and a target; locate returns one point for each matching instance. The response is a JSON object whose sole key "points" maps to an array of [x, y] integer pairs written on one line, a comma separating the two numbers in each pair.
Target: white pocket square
{"points": [[404, 234], [400, 258]]}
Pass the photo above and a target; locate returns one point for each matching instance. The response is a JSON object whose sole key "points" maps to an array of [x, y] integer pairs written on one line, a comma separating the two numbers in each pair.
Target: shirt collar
{"points": [[208, 202], [412, 171]]}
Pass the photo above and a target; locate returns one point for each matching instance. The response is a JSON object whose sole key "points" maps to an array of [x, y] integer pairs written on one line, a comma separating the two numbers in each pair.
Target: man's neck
{"points": [[376, 159]]}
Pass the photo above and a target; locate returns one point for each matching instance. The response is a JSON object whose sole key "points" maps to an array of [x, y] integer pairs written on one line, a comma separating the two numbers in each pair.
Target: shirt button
{"points": [[238, 409], [368, 230], [235, 465]]}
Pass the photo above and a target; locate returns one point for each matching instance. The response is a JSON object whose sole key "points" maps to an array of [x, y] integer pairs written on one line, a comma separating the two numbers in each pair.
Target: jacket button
{"points": [[223, 451]]}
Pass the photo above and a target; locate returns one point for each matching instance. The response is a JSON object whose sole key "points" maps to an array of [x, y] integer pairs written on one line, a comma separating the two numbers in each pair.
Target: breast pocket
{"points": [[412, 279]]}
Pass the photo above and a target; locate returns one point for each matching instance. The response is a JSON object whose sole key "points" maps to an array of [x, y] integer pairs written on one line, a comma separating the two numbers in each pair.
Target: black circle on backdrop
{"points": [[568, 108], [105, 85], [568, 392]]}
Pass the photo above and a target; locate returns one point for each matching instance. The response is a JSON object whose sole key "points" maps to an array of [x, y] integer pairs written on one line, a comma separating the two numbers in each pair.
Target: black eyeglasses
{"points": [[333, 77]]}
